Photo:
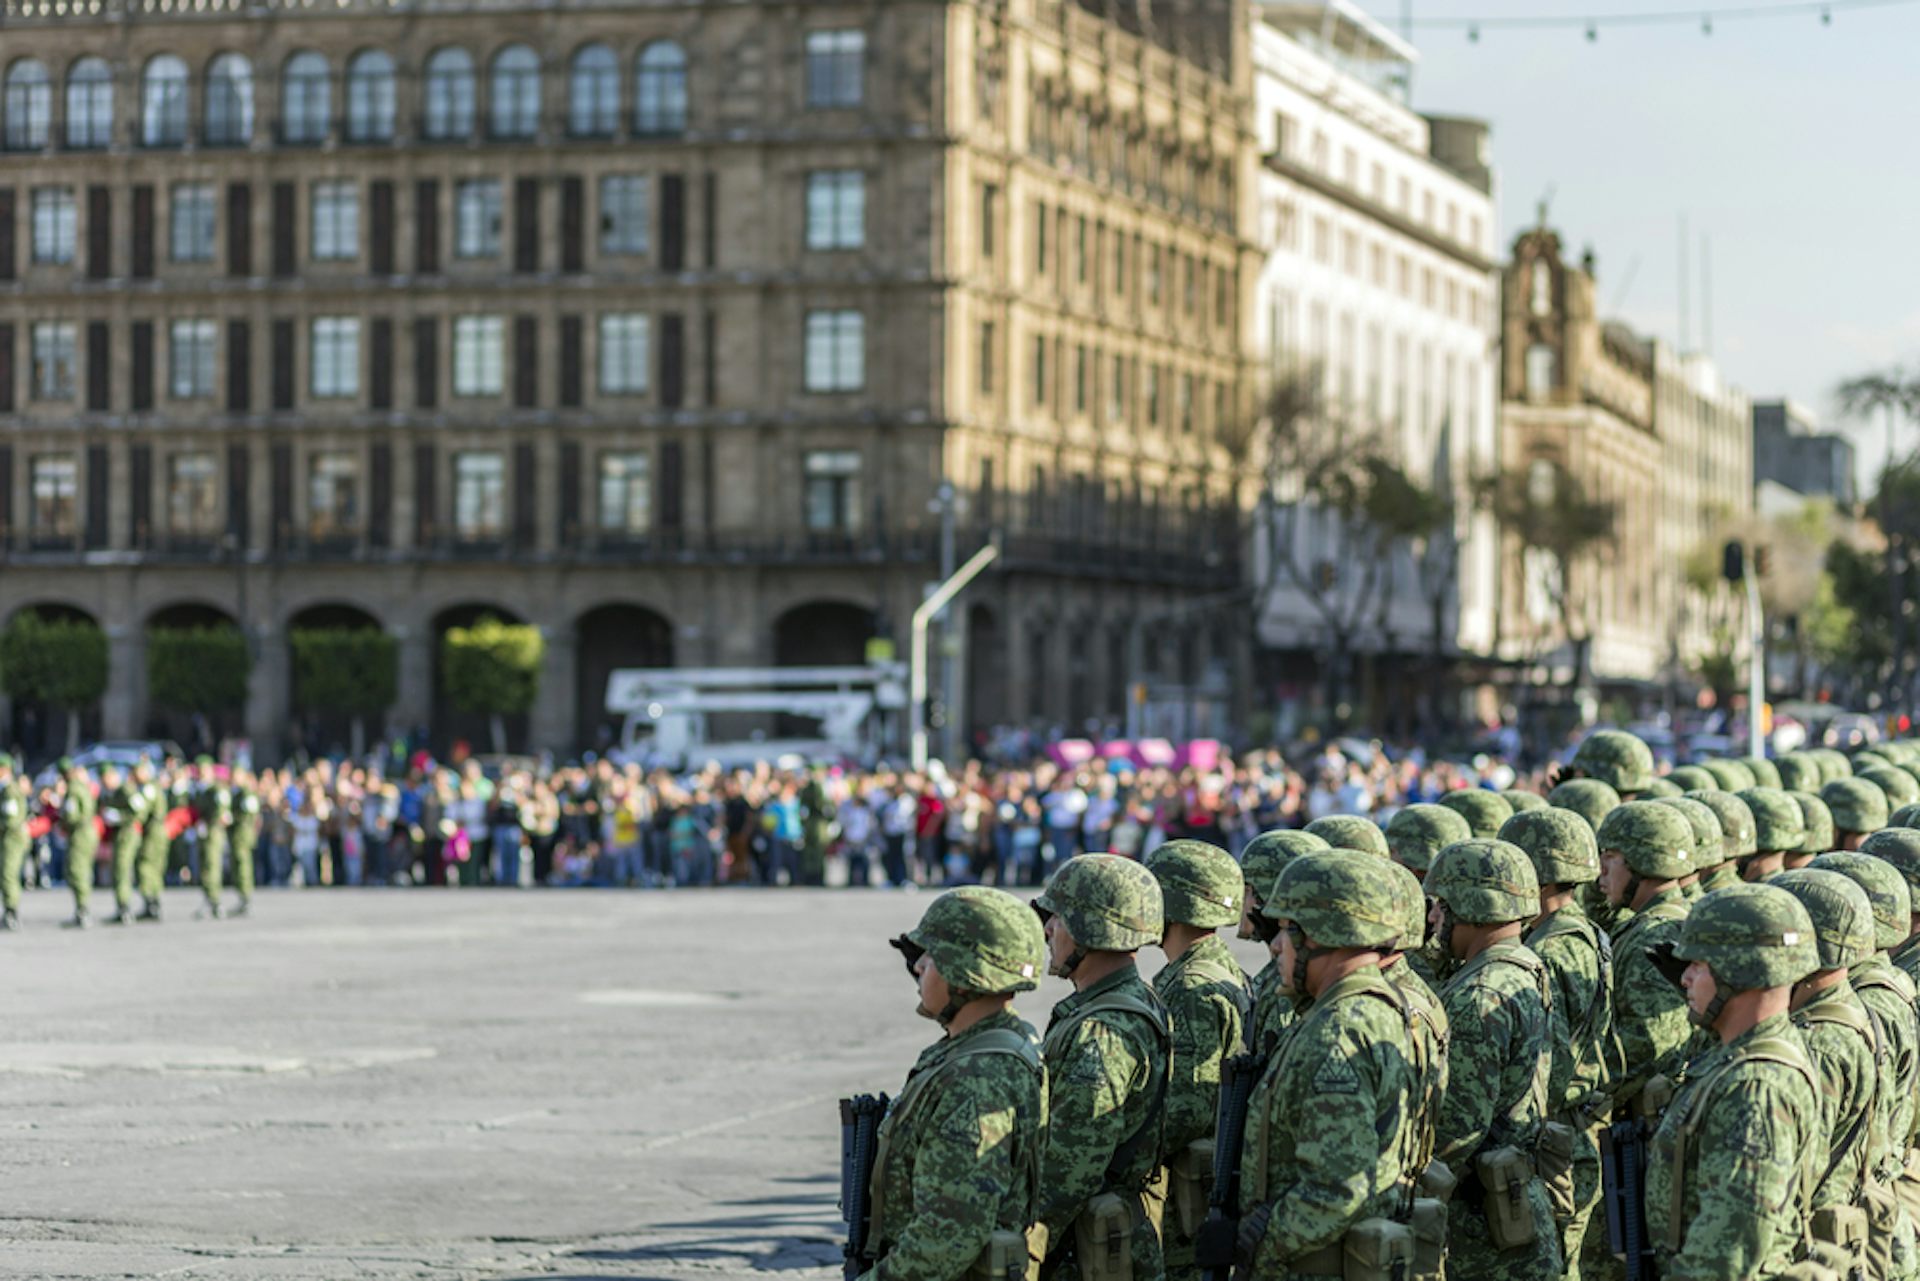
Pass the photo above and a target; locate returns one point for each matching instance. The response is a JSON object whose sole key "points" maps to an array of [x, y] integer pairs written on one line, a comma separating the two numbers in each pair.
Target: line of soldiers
{"points": [[1691, 998], [147, 818]]}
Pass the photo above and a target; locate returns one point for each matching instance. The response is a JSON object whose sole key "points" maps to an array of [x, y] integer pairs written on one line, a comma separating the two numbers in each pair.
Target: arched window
{"points": [[449, 94], [306, 98], [229, 101], [660, 89], [90, 103], [1543, 371], [514, 90], [163, 102], [1542, 282], [370, 97], [29, 105], [593, 93]]}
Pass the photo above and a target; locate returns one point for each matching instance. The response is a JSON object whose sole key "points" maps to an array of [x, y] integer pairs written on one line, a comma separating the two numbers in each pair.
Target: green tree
{"points": [[58, 661], [198, 669], [1565, 535], [348, 669], [492, 669]]}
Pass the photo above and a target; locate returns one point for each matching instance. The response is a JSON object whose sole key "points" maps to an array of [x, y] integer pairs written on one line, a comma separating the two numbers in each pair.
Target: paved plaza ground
{"points": [[455, 1084]]}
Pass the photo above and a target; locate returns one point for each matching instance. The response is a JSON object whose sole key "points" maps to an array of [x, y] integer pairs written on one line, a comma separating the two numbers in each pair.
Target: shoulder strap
{"points": [[1563, 926], [1767, 1049]]}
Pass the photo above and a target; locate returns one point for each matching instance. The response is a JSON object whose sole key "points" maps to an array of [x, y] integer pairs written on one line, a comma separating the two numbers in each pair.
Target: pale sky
{"points": [[1791, 144]]}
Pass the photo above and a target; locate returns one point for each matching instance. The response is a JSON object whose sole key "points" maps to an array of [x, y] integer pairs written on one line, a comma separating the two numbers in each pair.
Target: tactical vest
{"points": [[1508, 1125], [1563, 925], [1223, 972], [1147, 1137], [1863, 1023]]}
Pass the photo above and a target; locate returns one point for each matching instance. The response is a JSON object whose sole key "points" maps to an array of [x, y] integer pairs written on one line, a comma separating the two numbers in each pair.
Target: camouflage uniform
{"points": [[1260, 865], [1819, 823], [1431, 1032], [83, 839], [14, 841], [1414, 836], [1350, 832], [154, 847], [1743, 1139], [123, 809], [1649, 1013], [246, 839], [1484, 811], [1779, 828], [1737, 838], [215, 805]]}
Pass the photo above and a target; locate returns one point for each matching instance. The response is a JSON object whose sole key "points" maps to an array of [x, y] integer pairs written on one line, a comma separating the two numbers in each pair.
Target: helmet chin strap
{"points": [[1065, 969], [956, 1001], [1715, 1008]]}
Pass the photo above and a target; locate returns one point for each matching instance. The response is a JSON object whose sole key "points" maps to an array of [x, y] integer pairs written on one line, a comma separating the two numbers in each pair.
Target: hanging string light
{"points": [[1822, 9]]}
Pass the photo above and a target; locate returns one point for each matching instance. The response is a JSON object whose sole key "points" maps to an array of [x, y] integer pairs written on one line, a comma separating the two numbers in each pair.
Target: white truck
{"points": [[665, 712]]}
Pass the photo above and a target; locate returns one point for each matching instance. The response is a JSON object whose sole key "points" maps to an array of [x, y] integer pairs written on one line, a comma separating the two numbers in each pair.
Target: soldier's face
{"points": [[1700, 987], [1286, 952], [1060, 946], [1614, 877], [1249, 904], [934, 992]]}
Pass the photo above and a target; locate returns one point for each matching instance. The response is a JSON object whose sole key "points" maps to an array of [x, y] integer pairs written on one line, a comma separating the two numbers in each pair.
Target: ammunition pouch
{"points": [[1004, 1259], [1844, 1228], [1372, 1250], [1103, 1238], [1429, 1224], [1553, 1160], [1437, 1182], [1653, 1098], [1906, 1186], [1504, 1174], [1189, 1187], [1882, 1208]]}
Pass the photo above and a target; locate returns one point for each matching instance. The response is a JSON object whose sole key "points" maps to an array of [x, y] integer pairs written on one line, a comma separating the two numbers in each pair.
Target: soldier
{"points": [[1798, 773], [1899, 848], [1579, 959], [15, 813], [123, 811], [1820, 834], [155, 842], [1484, 811], [1210, 1002], [1737, 1154], [1330, 1131], [960, 1148], [1522, 801], [1778, 830], [1859, 810], [1737, 839], [1692, 778], [1905, 816], [1899, 786], [1431, 1032], [1414, 836], [1765, 772], [77, 814], [1645, 848], [1589, 798], [214, 804], [1491, 1132], [1660, 789], [246, 838], [1707, 844], [1261, 863], [1350, 832], [1732, 776], [1107, 1054], [1621, 760]]}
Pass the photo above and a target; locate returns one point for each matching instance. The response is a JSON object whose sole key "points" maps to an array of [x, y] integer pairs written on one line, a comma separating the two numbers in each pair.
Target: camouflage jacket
{"points": [[1890, 994], [1906, 959], [1649, 1013], [1430, 1034], [1841, 1042], [1720, 877], [1330, 1127], [960, 1152], [1209, 1000], [77, 812], [14, 811], [215, 806], [246, 818], [1579, 960], [1274, 1011], [1754, 1141], [121, 811]]}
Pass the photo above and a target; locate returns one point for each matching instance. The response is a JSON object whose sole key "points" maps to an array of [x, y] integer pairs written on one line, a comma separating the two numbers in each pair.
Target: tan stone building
{"points": [[659, 328]]}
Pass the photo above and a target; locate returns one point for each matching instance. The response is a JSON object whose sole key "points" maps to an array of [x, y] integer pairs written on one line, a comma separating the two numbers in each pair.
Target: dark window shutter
{"points": [[526, 362], [97, 488], [524, 529], [569, 510], [141, 397], [7, 258], [280, 505], [239, 229], [426, 362], [380, 365], [526, 224], [710, 360], [380, 496], [380, 228], [239, 367], [571, 367], [283, 364], [673, 222], [140, 496], [99, 370], [142, 255], [286, 258], [672, 482], [239, 493], [673, 360], [573, 225], [424, 499], [6, 368], [99, 233], [6, 495], [426, 227], [711, 207]]}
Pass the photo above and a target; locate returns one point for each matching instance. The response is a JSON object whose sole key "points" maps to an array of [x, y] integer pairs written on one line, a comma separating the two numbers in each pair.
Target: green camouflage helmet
{"points": [[1484, 811], [1856, 804], [1350, 832], [1109, 903], [1900, 751], [1692, 778], [1750, 936], [1896, 783], [1886, 889], [1654, 839], [1418, 832], [1559, 843], [1661, 789], [1865, 760], [1522, 801], [1268, 854], [1819, 821], [1412, 898], [1340, 901], [1898, 847], [1904, 816], [1736, 827], [1199, 884], [1799, 773], [1765, 772], [1708, 840], [1618, 759], [1778, 825], [1910, 768], [1731, 775], [1832, 764], [1588, 797], [1485, 882], [981, 940], [1841, 913]]}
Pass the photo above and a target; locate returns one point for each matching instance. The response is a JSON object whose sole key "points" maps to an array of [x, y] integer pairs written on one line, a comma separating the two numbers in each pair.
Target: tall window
{"points": [[90, 103], [623, 354], [333, 495], [660, 89], [335, 357], [53, 225], [836, 68], [514, 92], [229, 110], [306, 98], [336, 221], [370, 97], [163, 102], [54, 357], [830, 490], [479, 496], [476, 355], [1543, 371], [626, 495], [449, 111], [593, 93], [190, 222], [476, 219], [624, 225], [836, 209], [836, 358], [56, 496], [190, 359], [193, 496], [28, 106]]}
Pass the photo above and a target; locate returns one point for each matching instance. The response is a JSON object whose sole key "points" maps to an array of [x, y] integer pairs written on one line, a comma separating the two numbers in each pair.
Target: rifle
{"points": [[860, 1118], [1214, 1244], [1623, 1173]]}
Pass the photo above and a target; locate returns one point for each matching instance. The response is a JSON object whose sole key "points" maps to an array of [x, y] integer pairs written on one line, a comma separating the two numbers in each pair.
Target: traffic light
{"points": [[1733, 562]]}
